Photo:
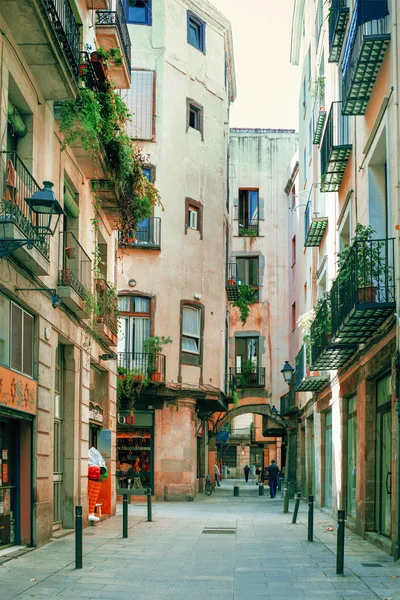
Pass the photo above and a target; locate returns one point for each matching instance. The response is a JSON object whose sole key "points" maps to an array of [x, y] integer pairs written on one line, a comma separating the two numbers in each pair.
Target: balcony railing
{"points": [[326, 355], [87, 72], [17, 184], [142, 364], [314, 227], [146, 235], [117, 17], [240, 434], [288, 404], [319, 110], [243, 378], [249, 227], [232, 286], [66, 31], [335, 149], [106, 306], [305, 379], [76, 269], [338, 18], [360, 70], [364, 293]]}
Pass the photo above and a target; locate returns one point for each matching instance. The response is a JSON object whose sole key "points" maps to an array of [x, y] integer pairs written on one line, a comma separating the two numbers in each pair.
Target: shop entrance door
{"points": [[9, 478], [58, 454], [383, 513]]}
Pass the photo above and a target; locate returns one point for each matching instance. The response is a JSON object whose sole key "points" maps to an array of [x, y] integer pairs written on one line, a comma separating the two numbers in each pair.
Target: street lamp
{"points": [[287, 372]]}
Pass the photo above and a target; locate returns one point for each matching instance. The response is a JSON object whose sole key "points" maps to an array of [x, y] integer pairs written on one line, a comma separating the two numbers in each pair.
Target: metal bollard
{"points": [[296, 507], [310, 518], [125, 516], [236, 490], [340, 543], [78, 537], [149, 515], [285, 498], [261, 490]]}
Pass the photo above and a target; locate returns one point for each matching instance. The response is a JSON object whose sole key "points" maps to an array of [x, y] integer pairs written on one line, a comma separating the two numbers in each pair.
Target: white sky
{"points": [[267, 84]]}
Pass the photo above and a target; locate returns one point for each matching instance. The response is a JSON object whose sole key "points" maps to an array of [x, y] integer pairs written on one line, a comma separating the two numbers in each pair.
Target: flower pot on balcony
{"points": [[65, 276], [131, 240], [138, 378], [231, 282], [99, 67], [366, 294], [82, 70], [156, 376]]}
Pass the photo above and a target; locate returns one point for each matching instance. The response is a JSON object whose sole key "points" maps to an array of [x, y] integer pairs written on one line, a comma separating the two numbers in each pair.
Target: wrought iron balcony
{"points": [[76, 269], [240, 434], [314, 227], [16, 218], [319, 110], [147, 235], [305, 379], [249, 227], [241, 377], [364, 293], [87, 72], [141, 365], [288, 404], [112, 31], [335, 149], [338, 19], [360, 70], [326, 355], [232, 286], [106, 317]]}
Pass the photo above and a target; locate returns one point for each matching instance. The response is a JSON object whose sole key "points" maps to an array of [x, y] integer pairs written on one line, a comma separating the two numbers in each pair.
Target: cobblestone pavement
{"points": [[260, 554]]}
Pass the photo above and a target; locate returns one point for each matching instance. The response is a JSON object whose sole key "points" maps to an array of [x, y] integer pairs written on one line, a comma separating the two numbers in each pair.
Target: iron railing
{"points": [[231, 274], [337, 133], [106, 305], [320, 331], [365, 278], [87, 72], [146, 235], [246, 377], [76, 269], [338, 17], [349, 67], [142, 364], [16, 184], [240, 434], [302, 362], [319, 110], [66, 31], [117, 17]]}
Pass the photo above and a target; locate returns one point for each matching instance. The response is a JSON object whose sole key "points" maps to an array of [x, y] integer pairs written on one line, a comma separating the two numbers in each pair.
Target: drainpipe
{"points": [[396, 202]]}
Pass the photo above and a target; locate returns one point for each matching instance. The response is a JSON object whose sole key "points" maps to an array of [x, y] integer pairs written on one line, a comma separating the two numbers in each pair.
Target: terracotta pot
{"points": [[138, 377], [122, 376], [99, 67], [366, 294], [156, 376], [231, 282]]}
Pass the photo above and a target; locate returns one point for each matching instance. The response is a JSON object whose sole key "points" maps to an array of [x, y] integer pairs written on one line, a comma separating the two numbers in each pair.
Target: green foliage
{"points": [[81, 120], [154, 345], [246, 298], [130, 383], [247, 232], [110, 57], [235, 398]]}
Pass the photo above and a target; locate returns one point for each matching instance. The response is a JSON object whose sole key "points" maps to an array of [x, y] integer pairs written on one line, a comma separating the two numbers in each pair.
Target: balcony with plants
{"points": [[232, 284], [307, 380], [49, 38], [105, 312], [336, 148], [17, 220], [75, 277], [146, 236], [338, 17], [314, 227], [112, 33], [366, 46], [319, 109], [248, 375], [363, 295]]}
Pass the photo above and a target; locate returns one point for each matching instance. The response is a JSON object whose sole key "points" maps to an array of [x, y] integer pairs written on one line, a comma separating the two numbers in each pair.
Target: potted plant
{"points": [[247, 296], [153, 346], [248, 372]]}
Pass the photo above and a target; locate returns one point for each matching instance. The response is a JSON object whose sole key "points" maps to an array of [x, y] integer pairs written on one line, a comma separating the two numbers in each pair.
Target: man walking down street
{"points": [[217, 475], [246, 473], [273, 472]]}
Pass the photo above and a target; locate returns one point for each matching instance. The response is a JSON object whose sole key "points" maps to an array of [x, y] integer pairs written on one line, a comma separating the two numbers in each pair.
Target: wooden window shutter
{"points": [[140, 100], [16, 337], [27, 351]]}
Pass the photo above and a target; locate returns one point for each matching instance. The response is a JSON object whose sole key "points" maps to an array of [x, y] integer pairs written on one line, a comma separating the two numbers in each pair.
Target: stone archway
{"points": [[256, 409]]}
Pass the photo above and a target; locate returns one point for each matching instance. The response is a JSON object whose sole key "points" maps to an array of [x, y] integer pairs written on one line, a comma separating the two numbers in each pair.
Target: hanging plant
{"points": [[246, 298]]}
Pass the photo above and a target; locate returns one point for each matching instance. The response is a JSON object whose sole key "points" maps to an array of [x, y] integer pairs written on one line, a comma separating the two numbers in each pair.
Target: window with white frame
{"points": [[140, 100], [192, 218], [191, 327]]}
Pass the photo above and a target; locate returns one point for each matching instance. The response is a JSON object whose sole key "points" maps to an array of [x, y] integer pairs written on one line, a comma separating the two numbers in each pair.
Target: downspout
{"points": [[395, 51], [80, 430]]}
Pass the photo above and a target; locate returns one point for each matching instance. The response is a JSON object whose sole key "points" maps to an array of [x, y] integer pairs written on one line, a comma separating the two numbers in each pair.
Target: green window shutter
{"points": [[69, 201], [16, 122]]}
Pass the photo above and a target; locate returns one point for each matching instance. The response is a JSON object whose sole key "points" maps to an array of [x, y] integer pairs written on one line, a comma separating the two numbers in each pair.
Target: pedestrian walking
{"points": [[217, 475], [246, 473], [273, 472], [258, 474]]}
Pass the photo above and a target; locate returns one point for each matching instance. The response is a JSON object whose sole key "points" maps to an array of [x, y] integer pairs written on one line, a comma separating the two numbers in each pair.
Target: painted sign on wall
{"points": [[17, 391], [96, 413]]}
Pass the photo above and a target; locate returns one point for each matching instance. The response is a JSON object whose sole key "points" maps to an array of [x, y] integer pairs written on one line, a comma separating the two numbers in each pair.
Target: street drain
{"points": [[371, 565], [220, 531]]}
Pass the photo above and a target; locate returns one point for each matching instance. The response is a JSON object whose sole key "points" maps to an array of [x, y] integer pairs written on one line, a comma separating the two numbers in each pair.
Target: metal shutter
{"points": [[27, 352], [16, 337], [140, 102]]}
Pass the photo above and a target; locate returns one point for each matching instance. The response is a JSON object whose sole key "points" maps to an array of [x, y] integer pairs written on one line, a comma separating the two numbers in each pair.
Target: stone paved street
{"points": [[265, 557]]}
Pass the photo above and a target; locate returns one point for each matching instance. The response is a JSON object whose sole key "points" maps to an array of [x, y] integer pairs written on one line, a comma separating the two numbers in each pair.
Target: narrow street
{"points": [[219, 547]]}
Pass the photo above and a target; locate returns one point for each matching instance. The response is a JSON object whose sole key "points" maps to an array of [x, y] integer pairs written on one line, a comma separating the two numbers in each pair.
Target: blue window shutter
{"points": [[261, 208]]}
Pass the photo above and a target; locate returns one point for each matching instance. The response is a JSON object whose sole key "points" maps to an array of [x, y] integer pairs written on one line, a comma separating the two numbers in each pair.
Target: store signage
{"points": [[96, 413], [17, 391], [128, 420]]}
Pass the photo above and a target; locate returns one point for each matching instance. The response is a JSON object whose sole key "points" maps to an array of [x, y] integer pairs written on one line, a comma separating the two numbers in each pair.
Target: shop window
{"points": [[194, 216], [95, 404], [134, 329], [196, 32], [194, 116], [247, 270], [134, 468], [141, 102]]}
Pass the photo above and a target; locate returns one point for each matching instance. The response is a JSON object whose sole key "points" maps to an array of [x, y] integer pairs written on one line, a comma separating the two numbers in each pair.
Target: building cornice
{"points": [[297, 22]]}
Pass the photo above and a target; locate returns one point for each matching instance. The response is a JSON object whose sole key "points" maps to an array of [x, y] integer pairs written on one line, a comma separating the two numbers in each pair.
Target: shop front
{"points": [[18, 401], [135, 452]]}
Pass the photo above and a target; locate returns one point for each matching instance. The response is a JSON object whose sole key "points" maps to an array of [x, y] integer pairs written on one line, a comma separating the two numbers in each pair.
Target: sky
{"points": [[267, 85]]}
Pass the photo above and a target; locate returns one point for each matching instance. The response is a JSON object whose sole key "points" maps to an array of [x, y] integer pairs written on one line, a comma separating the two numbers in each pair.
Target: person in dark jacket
{"points": [[246, 473], [273, 472]]}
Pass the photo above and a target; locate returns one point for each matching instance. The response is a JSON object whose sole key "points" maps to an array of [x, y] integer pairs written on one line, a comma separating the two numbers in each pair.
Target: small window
{"points": [[191, 324], [293, 250], [138, 12], [192, 221], [194, 116], [293, 316], [194, 216], [247, 270], [196, 32]]}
